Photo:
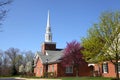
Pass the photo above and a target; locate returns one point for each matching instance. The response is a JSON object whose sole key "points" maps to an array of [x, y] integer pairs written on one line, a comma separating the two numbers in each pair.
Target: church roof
{"points": [[52, 56]]}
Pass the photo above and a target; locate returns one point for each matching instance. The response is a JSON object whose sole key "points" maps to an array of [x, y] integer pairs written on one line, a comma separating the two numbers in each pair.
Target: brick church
{"points": [[49, 59]]}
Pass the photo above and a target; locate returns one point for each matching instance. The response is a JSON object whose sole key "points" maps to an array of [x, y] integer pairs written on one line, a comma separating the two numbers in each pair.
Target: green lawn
{"points": [[85, 78], [67, 78]]}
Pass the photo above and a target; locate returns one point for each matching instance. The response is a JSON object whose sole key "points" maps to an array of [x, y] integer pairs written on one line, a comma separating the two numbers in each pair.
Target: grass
{"points": [[85, 78], [64, 78]]}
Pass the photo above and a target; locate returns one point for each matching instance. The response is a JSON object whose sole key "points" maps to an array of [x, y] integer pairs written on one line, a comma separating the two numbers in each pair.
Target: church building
{"points": [[49, 59]]}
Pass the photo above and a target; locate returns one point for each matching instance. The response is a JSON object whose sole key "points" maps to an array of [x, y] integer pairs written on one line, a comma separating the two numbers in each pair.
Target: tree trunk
{"points": [[116, 65], [77, 70], [117, 73]]}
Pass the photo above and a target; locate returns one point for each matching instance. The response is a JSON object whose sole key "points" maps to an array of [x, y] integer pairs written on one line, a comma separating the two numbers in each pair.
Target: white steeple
{"points": [[48, 19], [48, 34]]}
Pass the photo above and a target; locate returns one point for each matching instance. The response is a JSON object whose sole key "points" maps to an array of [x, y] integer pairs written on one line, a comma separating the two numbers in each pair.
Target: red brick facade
{"points": [[48, 46], [39, 68], [111, 69], [59, 70], [56, 67]]}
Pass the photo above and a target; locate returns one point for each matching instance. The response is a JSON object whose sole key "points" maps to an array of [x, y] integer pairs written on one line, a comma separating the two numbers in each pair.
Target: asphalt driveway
{"points": [[10, 79], [25, 79]]}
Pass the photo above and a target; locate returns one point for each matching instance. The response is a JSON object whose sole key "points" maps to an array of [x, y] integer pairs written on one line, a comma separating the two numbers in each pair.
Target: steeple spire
{"points": [[48, 34], [48, 19]]}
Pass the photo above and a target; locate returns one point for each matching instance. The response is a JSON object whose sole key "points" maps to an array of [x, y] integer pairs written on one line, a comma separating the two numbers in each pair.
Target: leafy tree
{"points": [[103, 40], [73, 56]]}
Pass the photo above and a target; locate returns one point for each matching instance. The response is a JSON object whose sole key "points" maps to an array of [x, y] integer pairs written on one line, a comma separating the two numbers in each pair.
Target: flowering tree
{"points": [[73, 56], [28, 67], [103, 40], [21, 69]]}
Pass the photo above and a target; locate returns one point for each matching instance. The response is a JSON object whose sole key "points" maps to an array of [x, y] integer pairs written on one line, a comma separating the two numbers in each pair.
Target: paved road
{"points": [[25, 79], [10, 79]]}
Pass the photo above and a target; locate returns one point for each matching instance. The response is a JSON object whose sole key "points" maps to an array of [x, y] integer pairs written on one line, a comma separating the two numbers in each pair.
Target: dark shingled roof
{"points": [[52, 56]]}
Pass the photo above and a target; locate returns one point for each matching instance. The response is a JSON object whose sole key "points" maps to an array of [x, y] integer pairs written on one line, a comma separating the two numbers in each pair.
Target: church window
{"points": [[105, 67], [53, 68], [49, 29], [69, 69], [118, 67], [40, 70], [48, 68], [49, 37]]}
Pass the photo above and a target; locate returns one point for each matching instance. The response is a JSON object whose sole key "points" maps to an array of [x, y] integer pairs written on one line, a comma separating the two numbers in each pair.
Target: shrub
{"points": [[50, 74]]}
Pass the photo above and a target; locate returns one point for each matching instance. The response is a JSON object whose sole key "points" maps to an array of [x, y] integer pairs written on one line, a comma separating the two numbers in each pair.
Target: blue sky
{"points": [[24, 26]]}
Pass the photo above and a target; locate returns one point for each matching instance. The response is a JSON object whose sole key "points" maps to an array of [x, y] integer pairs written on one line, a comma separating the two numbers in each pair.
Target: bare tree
{"points": [[13, 55], [12, 59], [4, 64], [3, 11]]}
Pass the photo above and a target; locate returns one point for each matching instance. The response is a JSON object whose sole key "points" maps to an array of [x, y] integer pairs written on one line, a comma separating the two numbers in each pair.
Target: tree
{"points": [[29, 56], [13, 61], [103, 40], [4, 64], [27, 62], [21, 69], [73, 56], [3, 11], [19, 60], [12, 54], [0, 62], [28, 67], [1, 57]]}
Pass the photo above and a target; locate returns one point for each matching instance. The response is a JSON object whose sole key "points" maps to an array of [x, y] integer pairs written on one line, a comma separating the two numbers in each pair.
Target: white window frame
{"points": [[105, 67], [48, 68], [119, 66], [69, 69]]}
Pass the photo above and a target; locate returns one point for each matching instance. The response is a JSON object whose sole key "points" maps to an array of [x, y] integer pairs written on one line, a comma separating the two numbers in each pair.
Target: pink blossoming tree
{"points": [[73, 56]]}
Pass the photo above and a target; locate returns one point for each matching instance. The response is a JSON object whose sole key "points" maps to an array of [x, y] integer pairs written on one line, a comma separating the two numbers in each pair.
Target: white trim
{"points": [[46, 53], [91, 64], [118, 67], [104, 67], [37, 56], [104, 62]]}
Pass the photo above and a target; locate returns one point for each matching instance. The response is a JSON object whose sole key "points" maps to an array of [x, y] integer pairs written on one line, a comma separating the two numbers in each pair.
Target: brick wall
{"points": [[111, 70], [83, 70], [48, 46], [39, 68], [60, 70]]}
